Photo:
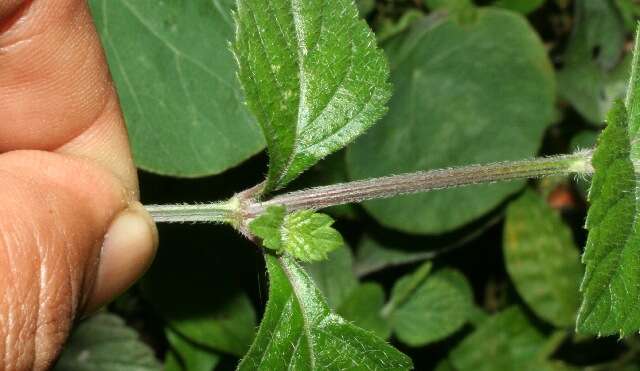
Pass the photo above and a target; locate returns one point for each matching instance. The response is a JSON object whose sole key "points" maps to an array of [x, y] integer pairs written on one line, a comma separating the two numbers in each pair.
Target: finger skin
{"points": [[65, 173]]}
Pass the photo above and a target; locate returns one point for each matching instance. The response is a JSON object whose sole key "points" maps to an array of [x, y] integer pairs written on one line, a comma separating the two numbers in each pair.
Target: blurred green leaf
{"points": [[504, 342], [364, 306], [461, 96], [177, 86], [463, 10], [592, 76], [387, 28], [305, 234], [520, 6], [334, 276], [314, 78], [424, 309], [104, 342], [195, 290], [542, 259], [186, 356], [300, 332], [373, 256]]}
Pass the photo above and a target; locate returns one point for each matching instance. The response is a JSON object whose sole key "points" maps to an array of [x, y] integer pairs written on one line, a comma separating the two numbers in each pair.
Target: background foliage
{"points": [[483, 277]]}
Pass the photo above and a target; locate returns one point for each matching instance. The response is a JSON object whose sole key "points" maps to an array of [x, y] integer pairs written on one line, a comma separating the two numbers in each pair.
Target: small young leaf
{"points": [[105, 343], [300, 332], [364, 306], [177, 86], [187, 356], [542, 259], [313, 77], [504, 342], [434, 309], [304, 234]]}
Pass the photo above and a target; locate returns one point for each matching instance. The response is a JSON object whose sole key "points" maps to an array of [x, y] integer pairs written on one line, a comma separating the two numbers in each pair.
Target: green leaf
{"points": [[462, 10], [364, 306], [504, 342], [508, 103], [591, 69], [196, 290], [299, 331], [435, 308], [313, 78], [105, 343], [187, 356], [611, 284], [542, 259], [177, 85], [334, 276], [521, 6], [305, 234], [372, 256]]}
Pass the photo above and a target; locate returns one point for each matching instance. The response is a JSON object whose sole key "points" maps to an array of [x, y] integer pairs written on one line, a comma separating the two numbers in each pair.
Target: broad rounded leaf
{"points": [[313, 76], [504, 342], [105, 343], [177, 84], [300, 332], [435, 309], [542, 259], [472, 93]]}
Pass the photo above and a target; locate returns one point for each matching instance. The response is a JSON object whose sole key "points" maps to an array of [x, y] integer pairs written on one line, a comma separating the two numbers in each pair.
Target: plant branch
{"points": [[239, 210]]}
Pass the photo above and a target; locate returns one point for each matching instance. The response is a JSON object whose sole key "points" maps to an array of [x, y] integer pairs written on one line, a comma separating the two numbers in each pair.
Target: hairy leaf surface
{"points": [[304, 234], [611, 284], [300, 332], [105, 343], [542, 259], [313, 77], [176, 81]]}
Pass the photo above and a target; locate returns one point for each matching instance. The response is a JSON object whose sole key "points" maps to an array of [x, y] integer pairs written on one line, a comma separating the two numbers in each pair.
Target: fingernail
{"points": [[129, 247]]}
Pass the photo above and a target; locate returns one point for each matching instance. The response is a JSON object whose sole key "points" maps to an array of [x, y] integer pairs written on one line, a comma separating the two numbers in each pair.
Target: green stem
{"points": [[240, 209]]}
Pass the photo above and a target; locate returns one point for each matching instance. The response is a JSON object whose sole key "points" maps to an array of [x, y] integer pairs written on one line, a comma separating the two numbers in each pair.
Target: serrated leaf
{"points": [[542, 259], [334, 276], [177, 85], [313, 77], [105, 343], [434, 309], [305, 234], [611, 284], [364, 306], [504, 342], [300, 332], [429, 126], [187, 356]]}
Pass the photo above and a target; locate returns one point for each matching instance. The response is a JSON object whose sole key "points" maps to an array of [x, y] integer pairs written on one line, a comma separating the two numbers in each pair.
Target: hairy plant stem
{"points": [[241, 208]]}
